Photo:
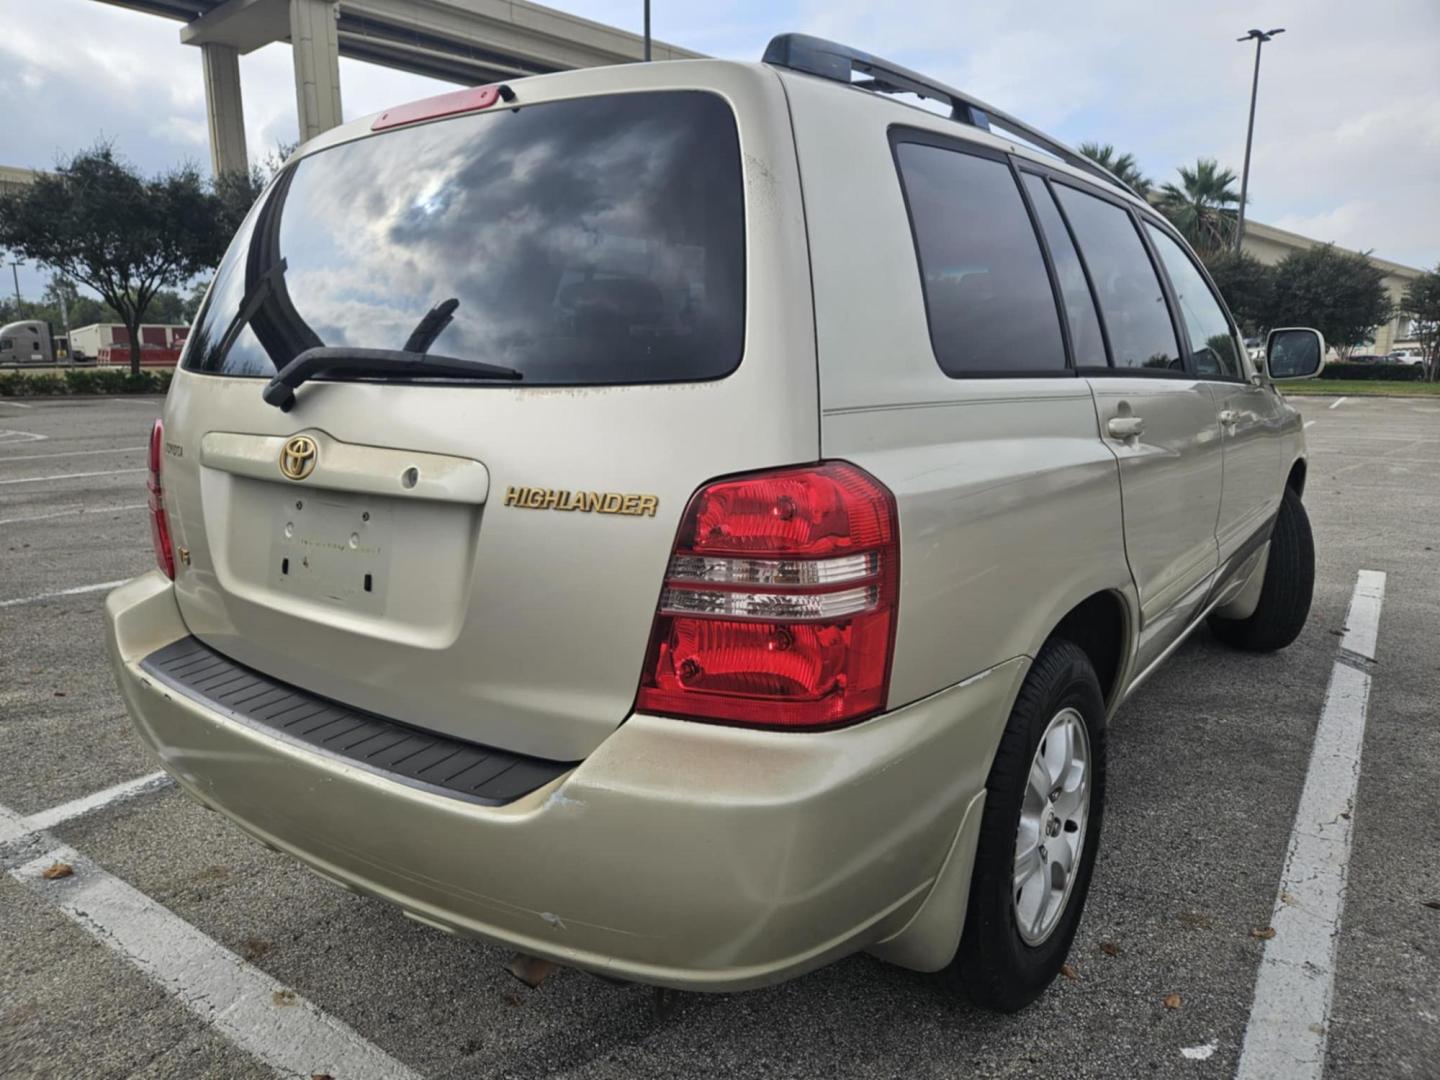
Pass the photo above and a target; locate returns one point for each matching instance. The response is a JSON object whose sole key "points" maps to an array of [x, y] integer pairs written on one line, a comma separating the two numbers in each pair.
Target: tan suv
{"points": [[692, 521]]}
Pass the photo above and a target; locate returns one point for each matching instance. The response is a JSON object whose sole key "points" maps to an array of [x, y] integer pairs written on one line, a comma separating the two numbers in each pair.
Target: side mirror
{"points": [[1294, 352]]}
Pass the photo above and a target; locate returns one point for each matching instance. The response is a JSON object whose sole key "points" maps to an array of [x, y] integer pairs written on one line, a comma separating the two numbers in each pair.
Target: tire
{"points": [[1285, 595], [997, 967]]}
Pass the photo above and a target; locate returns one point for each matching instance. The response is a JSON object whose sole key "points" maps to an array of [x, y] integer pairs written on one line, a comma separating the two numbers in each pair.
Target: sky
{"points": [[1347, 140]]}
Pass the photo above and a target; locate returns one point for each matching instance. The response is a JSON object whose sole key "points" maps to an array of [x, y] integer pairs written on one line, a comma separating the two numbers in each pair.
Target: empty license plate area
{"points": [[332, 547]]}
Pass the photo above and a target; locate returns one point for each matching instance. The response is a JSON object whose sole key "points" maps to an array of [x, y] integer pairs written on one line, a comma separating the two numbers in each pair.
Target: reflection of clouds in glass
{"points": [[594, 239], [491, 208]]}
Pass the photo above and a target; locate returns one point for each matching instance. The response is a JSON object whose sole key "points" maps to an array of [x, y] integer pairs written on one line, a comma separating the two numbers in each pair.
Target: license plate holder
{"points": [[333, 548]]}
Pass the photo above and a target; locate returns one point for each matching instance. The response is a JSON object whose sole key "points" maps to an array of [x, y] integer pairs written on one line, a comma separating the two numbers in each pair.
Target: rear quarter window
{"points": [[590, 241], [1132, 299], [987, 292]]}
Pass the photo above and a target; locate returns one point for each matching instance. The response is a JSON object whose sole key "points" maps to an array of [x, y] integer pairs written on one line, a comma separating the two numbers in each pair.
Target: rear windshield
{"points": [[598, 240]]}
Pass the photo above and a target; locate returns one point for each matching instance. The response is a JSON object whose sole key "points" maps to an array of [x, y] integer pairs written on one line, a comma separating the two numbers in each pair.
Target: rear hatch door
{"points": [[475, 556]]}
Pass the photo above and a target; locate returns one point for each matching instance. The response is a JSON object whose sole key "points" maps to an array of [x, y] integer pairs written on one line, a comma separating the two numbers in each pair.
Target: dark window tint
{"points": [[1212, 344], [986, 289], [1085, 336], [597, 240], [1131, 298]]}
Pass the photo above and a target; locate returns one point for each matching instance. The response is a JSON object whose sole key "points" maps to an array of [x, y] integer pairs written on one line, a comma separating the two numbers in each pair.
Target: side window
{"points": [[1131, 298], [1085, 334], [987, 293], [1212, 342], [6, 344]]}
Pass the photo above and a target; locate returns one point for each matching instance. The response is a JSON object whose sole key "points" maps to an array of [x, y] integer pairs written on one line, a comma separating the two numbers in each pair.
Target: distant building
{"points": [[1270, 245], [13, 179]]}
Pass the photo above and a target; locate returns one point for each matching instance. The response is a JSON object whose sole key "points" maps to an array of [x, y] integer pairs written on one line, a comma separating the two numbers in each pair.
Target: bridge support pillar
{"points": [[316, 47], [225, 112]]}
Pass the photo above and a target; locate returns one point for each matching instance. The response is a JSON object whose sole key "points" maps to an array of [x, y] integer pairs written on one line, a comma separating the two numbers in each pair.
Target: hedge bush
{"points": [[77, 381], [1380, 372]]}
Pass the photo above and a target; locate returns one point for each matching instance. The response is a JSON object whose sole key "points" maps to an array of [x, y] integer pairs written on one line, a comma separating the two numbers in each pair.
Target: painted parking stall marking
{"points": [[78, 590], [69, 476], [13, 826], [255, 1011], [10, 436], [74, 511], [1338, 402], [1289, 1021], [74, 453]]}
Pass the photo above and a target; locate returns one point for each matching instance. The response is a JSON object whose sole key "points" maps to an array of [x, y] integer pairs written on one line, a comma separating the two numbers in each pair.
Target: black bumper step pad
{"points": [[409, 755]]}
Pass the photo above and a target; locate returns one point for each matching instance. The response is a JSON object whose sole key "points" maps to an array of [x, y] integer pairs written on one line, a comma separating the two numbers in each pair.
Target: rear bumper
{"points": [[678, 854]]}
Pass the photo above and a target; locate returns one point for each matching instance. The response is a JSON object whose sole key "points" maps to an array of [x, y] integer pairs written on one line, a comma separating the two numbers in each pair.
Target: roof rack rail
{"points": [[830, 60]]}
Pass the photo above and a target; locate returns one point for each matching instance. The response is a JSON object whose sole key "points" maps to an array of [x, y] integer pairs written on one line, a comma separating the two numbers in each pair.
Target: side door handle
{"points": [[1229, 417], [1125, 427]]}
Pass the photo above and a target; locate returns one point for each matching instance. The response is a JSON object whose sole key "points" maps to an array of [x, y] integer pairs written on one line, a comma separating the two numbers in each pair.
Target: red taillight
{"points": [[779, 603], [159, 526]]}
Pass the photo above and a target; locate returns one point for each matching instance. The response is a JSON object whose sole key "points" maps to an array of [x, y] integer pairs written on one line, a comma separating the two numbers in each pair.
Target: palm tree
{"points": [[1204, 206], [1124, 166]]}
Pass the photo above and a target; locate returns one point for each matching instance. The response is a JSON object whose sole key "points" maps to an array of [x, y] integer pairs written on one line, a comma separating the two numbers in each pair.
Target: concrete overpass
{"points": [[460, 41]]}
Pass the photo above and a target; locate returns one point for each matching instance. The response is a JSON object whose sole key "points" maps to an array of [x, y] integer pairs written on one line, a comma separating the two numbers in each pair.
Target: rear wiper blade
{"points": [[280, 391], [428, 329]]}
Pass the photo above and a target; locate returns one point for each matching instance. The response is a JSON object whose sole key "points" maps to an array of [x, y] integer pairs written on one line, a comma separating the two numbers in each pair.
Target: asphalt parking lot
{"points": [[1208, 763]]}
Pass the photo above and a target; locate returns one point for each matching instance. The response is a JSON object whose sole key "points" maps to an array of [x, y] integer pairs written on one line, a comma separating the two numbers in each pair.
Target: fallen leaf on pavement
{"points": [[252, 948], [321, 1076], [1069, 972], [1264, 933], [1171, 1001], [1109, 948], [1434, 905], [56, 871], [283, 998]]}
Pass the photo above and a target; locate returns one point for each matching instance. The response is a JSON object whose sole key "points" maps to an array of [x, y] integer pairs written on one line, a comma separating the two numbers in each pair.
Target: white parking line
{"points": [[13, 826], [69, 476], [78, 590], [1341, 401], [1290, 1017], [17, 404], [88, 804], [1309, 423], [69, 513], [1362, 624], [11, 436], [255, 1011], [79, 453]]}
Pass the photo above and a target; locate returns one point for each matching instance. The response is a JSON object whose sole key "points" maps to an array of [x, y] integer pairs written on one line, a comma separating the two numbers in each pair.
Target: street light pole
{"points": [[15, 270], [1260, 37], [647, 31]]}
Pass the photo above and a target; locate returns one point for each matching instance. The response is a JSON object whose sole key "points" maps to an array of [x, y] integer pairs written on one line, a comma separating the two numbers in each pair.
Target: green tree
{"points": [[100, 223], [1247, 285], [1203, 205], [1340, 293], [1124, 166], [1421, 302], [81, 309]]}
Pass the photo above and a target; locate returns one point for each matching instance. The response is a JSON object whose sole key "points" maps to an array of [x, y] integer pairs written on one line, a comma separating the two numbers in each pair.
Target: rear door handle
{"points": [[1229, 417], [1125, 427]]}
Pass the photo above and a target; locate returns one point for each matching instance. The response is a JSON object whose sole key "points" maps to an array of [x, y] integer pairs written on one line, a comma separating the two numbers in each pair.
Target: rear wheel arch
{"points": [[1100, 626]]}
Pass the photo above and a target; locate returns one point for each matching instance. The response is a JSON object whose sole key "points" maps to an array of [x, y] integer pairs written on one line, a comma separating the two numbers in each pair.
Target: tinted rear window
{"points": [[1131, 297], [598, 240], [987, 292]]}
